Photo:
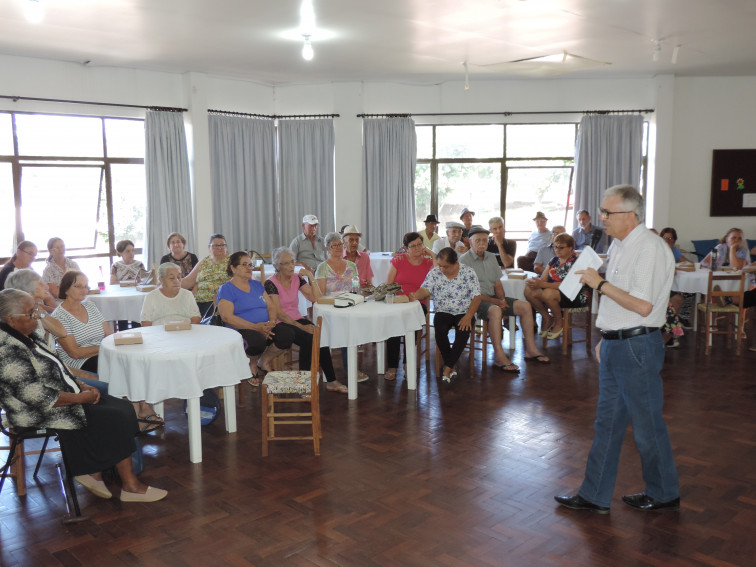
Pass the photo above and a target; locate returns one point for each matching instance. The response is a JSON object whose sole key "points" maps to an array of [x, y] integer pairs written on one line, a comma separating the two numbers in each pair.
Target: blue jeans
{"points": [[630, 391]]}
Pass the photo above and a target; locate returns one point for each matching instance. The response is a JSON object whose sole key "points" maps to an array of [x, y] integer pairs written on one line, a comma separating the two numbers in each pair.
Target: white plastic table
{"points": [[371, 322], [178, 364]]}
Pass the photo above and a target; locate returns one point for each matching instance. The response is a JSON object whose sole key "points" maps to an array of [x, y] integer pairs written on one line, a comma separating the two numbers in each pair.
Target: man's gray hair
{"points": [[558, 227], [11, 301], [330, 237], [25, 280], [496, 220], [631, 199], [582, 211], [277, 256], [164, 267]]}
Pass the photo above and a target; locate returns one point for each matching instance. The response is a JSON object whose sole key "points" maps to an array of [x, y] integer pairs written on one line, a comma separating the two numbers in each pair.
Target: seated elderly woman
{"points": [[244, 305], [183, 259], [127, 268], [409, 271], [543, 293], [456, 297], [36, 390], [49, 328], [57, 264], [169, 302], [732, 251], [206, 278], [23, 258], [85, 328], [283, 289], [335, 276]]}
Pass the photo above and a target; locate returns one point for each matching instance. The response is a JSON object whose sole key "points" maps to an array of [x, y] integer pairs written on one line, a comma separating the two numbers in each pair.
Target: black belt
{"points": [[627, 333]]}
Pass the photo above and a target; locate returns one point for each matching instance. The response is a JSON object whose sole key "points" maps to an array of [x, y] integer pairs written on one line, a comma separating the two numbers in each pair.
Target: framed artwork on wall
{"points": [[733, 183]]}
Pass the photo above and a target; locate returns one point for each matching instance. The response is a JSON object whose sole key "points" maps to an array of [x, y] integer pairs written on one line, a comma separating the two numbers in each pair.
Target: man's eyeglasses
{"points": [[606, 214]]}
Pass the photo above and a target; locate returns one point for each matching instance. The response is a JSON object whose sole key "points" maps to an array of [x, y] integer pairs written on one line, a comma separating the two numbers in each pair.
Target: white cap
{"points": [[310, 219]]}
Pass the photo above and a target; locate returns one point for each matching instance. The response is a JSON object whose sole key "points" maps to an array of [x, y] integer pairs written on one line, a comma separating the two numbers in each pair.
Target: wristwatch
{"points": [[599, 286]]}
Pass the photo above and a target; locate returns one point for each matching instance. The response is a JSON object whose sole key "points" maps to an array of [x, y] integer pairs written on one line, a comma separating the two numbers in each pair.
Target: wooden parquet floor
{"points": [[452, 475]]}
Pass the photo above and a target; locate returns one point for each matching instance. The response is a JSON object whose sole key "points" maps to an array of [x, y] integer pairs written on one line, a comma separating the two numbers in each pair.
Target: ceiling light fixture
{"points": [[34, 11], [675, 53], [307, 28], [307, 51], [657, 49]]}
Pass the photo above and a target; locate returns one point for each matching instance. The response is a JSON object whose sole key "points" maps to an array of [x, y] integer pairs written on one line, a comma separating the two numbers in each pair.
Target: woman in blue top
{"points": [[243, 305]]}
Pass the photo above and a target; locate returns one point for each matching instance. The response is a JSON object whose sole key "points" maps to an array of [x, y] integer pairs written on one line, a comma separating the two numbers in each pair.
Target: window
{"points": [[513, 170], [77, 177]]}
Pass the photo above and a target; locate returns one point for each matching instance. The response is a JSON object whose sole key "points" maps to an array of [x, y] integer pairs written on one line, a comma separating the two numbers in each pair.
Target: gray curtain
{"points": [[306, 175], [169, 195], [243, 181], [607, 152], [390, 154]]}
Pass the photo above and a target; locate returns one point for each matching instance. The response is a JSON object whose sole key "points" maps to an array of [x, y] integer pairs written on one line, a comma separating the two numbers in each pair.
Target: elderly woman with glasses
{"points": [[283, 289], [244, 305], [23, 258], [543, 293], [26, 279], [36, 390], [206, 278]]}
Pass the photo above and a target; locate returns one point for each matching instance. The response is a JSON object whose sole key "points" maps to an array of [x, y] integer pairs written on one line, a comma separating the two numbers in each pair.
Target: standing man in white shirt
{"points": [[631, 354], [308, 248]]}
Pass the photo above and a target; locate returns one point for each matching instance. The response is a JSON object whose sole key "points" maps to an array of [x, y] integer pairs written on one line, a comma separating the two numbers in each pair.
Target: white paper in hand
{"points": [[571, 285]]}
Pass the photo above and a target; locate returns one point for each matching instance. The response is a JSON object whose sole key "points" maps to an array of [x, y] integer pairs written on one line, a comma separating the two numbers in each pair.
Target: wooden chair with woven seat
{"points": [[568, 320], [293, 387], [716, 306]]}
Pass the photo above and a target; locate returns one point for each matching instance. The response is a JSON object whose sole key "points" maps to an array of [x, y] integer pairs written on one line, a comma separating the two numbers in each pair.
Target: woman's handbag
{"points": [[213, 318]]}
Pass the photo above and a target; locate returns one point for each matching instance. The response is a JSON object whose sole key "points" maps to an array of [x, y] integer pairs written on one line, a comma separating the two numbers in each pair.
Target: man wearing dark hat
{"points": [[429, 234], [541, 237]]}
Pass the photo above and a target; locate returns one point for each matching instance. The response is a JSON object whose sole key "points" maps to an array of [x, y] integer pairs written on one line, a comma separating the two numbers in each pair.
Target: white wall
{"points": [[709, 114], [693, 117]]}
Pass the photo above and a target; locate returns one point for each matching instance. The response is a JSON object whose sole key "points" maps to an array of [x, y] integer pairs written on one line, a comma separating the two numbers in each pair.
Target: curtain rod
{"points": [[15, 98], [270, 116], [639, 111]]}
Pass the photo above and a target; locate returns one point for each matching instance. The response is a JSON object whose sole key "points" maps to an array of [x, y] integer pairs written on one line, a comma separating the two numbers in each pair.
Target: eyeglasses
{"points": [[286, 263], [32, 254], [79, 286], [416, 245], [245, 265], [337, 245], [606, 214], [33, 314], [668, 238], [218, 245]]}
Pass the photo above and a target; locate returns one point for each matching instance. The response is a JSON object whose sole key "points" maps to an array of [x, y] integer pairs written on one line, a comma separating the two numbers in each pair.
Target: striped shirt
{"points": [[89, 333]]}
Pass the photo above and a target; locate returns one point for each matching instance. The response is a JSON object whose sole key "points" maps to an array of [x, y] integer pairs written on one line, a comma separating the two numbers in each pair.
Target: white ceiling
{"points": [[408, 41]]}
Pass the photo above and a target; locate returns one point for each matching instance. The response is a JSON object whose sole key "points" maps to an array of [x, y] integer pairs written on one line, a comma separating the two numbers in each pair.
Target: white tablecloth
{"points": [[177, 364], [516, 287], [118, 303], [371, 322], [698, 281]]}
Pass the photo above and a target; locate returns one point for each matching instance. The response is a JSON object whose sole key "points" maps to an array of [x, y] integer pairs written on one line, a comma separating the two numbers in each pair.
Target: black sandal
{"points": [[152, 421]]}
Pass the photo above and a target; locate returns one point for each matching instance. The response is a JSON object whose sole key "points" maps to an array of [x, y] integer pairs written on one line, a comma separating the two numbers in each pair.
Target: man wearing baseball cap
{"points": [[351, 237], [308, 248], [452, 239]]}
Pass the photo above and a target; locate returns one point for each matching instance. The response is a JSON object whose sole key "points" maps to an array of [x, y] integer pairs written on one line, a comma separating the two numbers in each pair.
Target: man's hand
{"points": [[590, 277]]}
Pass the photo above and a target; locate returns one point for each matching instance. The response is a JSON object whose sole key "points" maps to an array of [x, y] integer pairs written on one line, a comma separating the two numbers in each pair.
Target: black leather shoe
{"points": [[644, 502], [577, 502]]}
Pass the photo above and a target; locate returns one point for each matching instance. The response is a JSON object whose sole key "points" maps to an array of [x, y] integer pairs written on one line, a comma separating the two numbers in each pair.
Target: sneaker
{"points": [[362, 377], [674, 343]]}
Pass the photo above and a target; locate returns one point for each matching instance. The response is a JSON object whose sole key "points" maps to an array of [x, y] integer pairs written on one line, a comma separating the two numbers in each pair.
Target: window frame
{"points": [[18, 162]]}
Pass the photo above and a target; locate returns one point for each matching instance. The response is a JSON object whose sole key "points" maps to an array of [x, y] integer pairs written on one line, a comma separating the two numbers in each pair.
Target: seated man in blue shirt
{"points": [[587, 234], [546, 253]]}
